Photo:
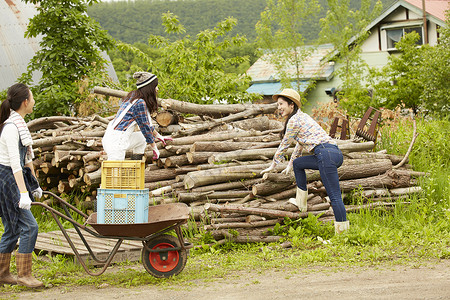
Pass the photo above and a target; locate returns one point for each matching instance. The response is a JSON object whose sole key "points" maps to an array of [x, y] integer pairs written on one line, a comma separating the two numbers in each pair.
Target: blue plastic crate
{"points": [[122, 206]]}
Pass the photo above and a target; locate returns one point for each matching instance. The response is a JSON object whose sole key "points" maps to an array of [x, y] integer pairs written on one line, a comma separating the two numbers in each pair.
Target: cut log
{"points": [[93, 178], [74, 136], [261, 124], [196, 158], [181, 149], [245, 155], [92, 167], [167, 117], [230, 164], [223, 146], [243, 224], [63, 186], [261, 138], [395, 159], [43, 123], [350, 169], [210, 195], [176, 161], [270, 213], [75, 182], [213, 137], [166, 174], [93, 156], [227, 186], [269, 152], [388, 180], [205, 177], [191, 108], [269, 187]]}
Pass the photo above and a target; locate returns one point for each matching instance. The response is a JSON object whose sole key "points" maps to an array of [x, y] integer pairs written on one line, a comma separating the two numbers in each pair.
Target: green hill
{"points": [[132, 22]]}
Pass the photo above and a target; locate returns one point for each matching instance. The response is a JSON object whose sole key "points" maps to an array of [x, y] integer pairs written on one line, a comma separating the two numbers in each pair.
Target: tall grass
{"points": [[429, 154], [421, 228]]}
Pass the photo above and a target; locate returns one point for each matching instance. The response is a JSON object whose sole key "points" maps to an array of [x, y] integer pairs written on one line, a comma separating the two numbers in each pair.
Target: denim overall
{"points": [[26, 227]]}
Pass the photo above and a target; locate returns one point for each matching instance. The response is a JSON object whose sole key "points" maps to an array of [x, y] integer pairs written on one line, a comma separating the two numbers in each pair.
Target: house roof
{"points": [[271, 88], [16, 51], [314, 67], [435, 10]]}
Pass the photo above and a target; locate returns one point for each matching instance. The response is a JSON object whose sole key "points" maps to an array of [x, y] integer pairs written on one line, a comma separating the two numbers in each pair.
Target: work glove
{"points": [[25, 201], [37, 193], [287, 170], [272, 166], [155, 154], [163, 139]]}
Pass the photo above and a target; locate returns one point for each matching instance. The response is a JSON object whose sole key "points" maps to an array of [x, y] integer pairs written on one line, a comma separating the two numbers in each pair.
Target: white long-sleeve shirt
{"points": [[9, 148]]}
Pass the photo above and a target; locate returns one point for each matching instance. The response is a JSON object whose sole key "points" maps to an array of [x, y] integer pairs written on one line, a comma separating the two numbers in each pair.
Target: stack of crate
{"points": [[122, 197]]}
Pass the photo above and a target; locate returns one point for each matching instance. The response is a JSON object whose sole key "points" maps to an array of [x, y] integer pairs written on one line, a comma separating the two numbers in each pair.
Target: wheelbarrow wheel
{"points": [[167, 263]]}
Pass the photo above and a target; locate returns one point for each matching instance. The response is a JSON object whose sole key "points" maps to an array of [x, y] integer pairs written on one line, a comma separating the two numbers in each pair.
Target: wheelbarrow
{"points": [[163, 255]]}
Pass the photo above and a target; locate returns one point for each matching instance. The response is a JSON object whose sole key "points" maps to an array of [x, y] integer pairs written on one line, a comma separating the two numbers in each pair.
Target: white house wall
{"points": [[371, 43], [318, 96], [377, 35]]}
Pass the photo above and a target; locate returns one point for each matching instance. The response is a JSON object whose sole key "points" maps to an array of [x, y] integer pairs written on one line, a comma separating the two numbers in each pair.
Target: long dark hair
{"points": [[289, 101], [17, 93], [148, 93]]}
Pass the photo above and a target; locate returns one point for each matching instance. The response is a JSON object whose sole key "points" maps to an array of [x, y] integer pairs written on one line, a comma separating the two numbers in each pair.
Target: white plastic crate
{"points": [[122, 206]]}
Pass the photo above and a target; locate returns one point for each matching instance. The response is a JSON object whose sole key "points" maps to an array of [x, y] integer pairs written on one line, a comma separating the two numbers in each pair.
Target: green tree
{"points": [[70, 51], [435, 73], [193, 70], [344, 27], [400, 81], [279, 34]]}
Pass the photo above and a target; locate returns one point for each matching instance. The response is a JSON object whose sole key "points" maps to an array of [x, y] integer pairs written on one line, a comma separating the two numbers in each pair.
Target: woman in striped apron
{"points": [[18, 187], [132, 128]]}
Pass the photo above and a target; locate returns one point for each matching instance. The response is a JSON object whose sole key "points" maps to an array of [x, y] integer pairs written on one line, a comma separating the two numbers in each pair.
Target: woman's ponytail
{"points": [[5, 111], [17, 93]]}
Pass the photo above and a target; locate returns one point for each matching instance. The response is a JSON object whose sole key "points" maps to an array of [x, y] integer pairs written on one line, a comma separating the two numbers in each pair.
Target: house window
{"points": [[395, 35]]}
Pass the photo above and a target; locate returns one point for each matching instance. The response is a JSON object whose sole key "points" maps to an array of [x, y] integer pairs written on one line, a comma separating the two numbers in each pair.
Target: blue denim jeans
{"points": [[327, 158], [28, 232]]}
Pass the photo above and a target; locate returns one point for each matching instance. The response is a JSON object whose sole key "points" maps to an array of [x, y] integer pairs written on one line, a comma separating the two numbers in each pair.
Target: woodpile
{"points": [[213, 164]]}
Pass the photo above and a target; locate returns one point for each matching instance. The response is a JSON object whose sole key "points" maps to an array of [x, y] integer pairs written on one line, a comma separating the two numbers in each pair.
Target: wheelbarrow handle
{"points": [[65, 203]]}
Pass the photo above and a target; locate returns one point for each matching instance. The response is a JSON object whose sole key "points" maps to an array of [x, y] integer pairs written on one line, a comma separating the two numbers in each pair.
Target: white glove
{"points": [[272, 166], [37, 193], [287, 170], [25, 201], [163, 139], [155, 154]]}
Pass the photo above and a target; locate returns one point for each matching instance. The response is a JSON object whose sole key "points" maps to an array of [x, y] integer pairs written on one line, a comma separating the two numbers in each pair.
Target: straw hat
{"points": [[290, 94]]}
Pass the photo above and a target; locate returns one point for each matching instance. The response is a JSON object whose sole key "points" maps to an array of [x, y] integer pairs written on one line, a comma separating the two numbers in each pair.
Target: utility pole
{"points": [[425, 27]]}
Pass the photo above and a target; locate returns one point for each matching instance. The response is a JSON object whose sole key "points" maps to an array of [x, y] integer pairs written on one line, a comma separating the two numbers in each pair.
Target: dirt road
{"points": [[400, 282]]}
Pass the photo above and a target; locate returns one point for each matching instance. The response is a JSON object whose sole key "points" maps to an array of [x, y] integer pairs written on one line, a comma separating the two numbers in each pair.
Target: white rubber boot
{"points": [[300, 200], [340, 227]]}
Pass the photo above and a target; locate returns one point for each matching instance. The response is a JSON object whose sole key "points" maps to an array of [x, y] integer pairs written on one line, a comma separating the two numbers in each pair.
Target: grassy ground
{"points": [[409, 234]]}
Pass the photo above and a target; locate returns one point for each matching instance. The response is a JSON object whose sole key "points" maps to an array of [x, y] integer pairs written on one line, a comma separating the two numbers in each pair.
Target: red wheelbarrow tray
{"points": [[159, 217]]}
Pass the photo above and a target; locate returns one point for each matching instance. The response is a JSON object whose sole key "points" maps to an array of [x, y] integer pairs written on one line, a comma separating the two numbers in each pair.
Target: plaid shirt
{"points": [[302, 129], [137, 113]]}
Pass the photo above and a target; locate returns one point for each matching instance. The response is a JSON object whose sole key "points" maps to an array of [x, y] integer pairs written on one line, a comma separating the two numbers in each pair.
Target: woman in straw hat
{"points": [[132, 128], [326, 158]]}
